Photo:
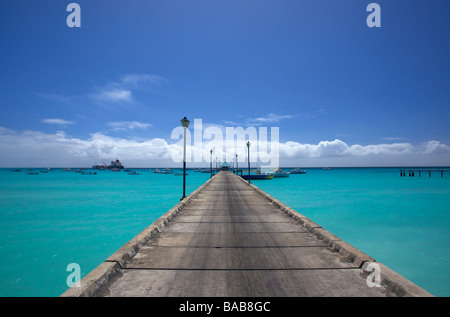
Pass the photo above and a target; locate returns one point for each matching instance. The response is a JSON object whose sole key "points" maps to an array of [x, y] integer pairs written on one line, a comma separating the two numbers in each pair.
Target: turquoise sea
{"points": [[52, 219]]}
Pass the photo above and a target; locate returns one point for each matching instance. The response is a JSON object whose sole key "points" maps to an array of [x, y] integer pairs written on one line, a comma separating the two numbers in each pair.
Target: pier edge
{"points": [[393, 281]]}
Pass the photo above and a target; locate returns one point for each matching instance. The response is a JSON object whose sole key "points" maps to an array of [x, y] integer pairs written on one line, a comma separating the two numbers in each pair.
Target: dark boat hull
{"points": [[251, 177]]}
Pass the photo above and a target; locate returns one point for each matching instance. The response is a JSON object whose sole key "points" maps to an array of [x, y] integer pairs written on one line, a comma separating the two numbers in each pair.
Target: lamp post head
{"points": [[185, 122], [248, 144]]}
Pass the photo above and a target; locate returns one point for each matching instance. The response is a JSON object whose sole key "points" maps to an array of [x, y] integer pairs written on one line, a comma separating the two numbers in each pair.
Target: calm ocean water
{"points": [[52, 219]]}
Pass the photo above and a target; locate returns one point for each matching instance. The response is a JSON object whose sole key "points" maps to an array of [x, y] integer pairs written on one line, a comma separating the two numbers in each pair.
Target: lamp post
{"points": [[248, 146], [237, 165], [210, 162], [185, 125]]}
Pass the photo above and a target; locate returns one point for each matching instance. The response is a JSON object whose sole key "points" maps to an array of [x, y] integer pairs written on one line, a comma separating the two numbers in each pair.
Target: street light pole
{"points": [[210, 163], [237, 165], [248, 146], [185, 125]]}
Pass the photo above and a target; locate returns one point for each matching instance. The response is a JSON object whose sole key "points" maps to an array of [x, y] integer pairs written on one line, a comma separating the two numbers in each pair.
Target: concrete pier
{"points": [[230, 239]]}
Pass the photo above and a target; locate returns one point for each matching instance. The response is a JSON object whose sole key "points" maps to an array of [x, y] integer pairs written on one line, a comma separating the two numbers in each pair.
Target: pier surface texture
{"points": [[229, 238]]}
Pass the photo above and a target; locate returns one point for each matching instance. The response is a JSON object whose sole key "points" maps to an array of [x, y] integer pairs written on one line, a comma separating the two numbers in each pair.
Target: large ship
{"points": [[114, 166]]}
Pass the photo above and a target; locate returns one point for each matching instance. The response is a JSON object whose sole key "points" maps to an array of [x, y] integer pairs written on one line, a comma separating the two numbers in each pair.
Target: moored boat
{"points": [[163, 171], [88, 173], [258, 176], [297, 171], [280, 173]]}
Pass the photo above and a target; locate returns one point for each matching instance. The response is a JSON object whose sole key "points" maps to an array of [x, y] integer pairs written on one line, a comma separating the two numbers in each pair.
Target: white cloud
{"points": [[270, 118], [57, 121], [113, 95], [381, 149], [339, 148], [258, 121], [231, 123], [34, 148], [436, 147], [6, 131], [128, 125], [122, 91]]}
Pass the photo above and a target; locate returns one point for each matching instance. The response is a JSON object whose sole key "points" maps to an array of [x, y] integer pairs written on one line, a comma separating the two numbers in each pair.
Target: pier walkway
{"points": [[228, 238]]}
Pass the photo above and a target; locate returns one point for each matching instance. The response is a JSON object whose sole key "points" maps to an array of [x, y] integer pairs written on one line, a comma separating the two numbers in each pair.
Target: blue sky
{"points": [[341, 93]]}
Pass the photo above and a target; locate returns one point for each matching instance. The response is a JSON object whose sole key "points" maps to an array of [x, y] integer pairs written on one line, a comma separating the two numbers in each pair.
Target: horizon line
{"points": [[245, 168]]}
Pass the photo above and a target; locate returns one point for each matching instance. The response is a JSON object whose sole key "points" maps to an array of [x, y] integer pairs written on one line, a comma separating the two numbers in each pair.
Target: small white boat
{"points": [[297, 171], [88, 173], [280, 173]]}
